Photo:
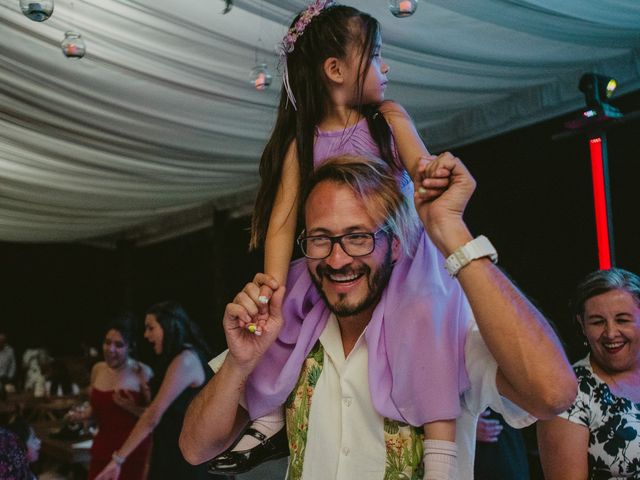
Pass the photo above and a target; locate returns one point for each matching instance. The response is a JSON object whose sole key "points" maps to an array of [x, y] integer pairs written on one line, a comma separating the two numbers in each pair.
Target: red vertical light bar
{"points": [[600, 202]]}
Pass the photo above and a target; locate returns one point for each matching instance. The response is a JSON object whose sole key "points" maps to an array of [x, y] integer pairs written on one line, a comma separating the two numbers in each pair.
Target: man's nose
{"points": [[338, 258]]}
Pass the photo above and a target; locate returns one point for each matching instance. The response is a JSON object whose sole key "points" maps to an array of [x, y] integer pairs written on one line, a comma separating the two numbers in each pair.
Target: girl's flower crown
{"points": [[314, 9], [289, 40]]}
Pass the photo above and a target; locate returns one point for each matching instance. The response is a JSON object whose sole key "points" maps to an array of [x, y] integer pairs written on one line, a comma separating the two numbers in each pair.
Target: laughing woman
{"points": [[119, 394], [599, 436], [181, 371]]}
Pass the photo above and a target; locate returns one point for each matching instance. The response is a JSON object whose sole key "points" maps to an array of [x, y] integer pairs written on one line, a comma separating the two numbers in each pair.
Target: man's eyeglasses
{"points": [[318, 247]]}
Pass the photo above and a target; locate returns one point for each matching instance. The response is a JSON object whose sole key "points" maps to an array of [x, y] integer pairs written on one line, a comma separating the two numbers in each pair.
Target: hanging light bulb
{"points": [[38, 11], [403, 8], [73, 45], [260, 77]]}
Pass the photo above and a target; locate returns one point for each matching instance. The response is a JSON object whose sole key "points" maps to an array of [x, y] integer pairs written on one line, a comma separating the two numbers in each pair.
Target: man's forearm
{"points": [[529, 355], [214, 418], [533, 370]]}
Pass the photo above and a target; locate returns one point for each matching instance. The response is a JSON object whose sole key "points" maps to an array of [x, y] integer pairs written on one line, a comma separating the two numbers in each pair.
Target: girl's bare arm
{"points": [[282, 223], [408, 142]]}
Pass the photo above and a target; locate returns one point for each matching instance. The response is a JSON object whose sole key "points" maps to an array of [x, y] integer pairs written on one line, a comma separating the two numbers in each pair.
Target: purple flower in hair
{"points": [[288, 42], [313, 10]]}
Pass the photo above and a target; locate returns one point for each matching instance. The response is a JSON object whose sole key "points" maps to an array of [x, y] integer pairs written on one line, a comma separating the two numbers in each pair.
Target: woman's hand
{"points": [[488, 429], [125, 400], [144, 382], [110, 472]]}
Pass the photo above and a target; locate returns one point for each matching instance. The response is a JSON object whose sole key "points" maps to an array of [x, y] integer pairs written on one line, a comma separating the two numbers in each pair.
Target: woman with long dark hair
{"points": [[181, 370], [119, 395]]}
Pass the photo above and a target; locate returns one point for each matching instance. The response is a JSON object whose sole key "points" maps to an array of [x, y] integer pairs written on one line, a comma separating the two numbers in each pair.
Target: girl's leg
{"points": [[268, 425], [265, 439], [440, 450]]}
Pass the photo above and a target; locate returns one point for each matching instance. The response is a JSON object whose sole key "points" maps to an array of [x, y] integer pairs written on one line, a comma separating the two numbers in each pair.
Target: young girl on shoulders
{"points": [[332, 103]]}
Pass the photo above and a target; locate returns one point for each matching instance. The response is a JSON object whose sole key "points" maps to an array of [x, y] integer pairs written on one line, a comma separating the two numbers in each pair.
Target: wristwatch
{"points": [[479, 247]]}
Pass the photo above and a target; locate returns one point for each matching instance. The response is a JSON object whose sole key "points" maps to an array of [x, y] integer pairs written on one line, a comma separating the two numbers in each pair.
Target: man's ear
{"points": [[333, 69], [395, 249]]}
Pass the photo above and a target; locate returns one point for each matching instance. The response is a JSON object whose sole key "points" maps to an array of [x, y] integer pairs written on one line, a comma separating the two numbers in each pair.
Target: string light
{"points": [[37, 11], [403, 8], [73, 45], [260, 76]]}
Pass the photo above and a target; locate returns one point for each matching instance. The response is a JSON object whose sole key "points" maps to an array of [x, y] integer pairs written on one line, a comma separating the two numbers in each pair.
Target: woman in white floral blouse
{"points": [[598, 437]]}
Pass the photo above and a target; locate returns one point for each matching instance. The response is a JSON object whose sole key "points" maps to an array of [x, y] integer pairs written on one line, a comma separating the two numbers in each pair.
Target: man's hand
{"points": [[258, 303], [214, 417], [488, 429], [443, 189]]}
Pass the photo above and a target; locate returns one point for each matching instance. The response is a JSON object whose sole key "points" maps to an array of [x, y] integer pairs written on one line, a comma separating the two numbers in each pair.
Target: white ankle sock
{"points": [[440, 460], [270, 424]]}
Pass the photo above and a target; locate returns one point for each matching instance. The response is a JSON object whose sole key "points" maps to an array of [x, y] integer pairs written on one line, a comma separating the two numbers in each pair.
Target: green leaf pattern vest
{"points": [[403, 442]]}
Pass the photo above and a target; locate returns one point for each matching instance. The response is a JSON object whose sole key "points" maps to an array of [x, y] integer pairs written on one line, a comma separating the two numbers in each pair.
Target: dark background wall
{"points": [[533, 201]]}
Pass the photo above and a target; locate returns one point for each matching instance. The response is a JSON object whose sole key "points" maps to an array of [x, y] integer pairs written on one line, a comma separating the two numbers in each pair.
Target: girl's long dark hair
{"points": [[180, 332], [329, 34]]}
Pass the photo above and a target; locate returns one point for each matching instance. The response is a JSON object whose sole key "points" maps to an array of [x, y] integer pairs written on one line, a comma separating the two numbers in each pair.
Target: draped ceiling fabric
{"points": [[158, 126]]}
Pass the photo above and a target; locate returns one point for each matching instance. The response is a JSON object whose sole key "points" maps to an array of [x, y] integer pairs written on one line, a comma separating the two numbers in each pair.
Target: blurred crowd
{"points": [[131, 412]]}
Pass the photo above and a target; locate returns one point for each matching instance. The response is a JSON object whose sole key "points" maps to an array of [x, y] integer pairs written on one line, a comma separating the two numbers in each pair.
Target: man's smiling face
{"points": [[349, 285]]}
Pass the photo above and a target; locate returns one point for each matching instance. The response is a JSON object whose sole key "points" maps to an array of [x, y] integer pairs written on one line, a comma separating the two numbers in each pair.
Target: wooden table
{"points": [[37, 409]]}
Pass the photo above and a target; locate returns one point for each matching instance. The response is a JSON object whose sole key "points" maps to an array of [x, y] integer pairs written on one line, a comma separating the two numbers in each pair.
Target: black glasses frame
{"points": [[338, 239]]}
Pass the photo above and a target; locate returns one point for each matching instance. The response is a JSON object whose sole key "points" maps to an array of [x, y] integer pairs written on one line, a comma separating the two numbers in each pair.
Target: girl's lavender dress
{"points": [[415, 339]]}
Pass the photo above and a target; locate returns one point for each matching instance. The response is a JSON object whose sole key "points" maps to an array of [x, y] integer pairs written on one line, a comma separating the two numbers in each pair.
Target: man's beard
{"points": [[375, 283]]}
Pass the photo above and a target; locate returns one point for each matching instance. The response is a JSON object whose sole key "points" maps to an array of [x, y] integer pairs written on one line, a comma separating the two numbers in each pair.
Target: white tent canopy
{"points": [[158, 125]]}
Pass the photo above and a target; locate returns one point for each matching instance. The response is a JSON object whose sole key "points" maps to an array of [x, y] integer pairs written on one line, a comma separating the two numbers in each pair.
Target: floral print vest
{"points": [[403, 442]]}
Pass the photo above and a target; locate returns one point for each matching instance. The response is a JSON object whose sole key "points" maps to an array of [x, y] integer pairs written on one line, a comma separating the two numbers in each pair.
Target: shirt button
{"points": [[347, 402], [345, 450]]}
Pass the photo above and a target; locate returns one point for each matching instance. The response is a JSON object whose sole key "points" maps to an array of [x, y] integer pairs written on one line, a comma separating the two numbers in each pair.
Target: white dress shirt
{"points": [[345, 439]]}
